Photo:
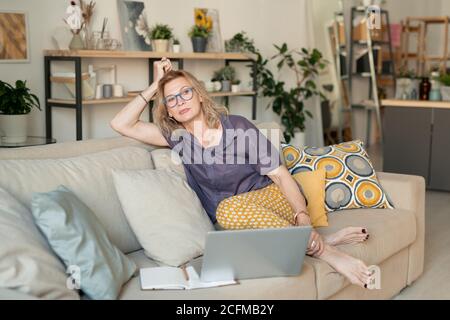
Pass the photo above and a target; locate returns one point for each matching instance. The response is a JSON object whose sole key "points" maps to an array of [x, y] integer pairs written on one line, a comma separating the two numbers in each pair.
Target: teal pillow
{"points": [[77, 237]]}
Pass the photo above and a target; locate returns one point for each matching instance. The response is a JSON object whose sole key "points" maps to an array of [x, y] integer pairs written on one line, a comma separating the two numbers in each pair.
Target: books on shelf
{"points": [[174, 278]]}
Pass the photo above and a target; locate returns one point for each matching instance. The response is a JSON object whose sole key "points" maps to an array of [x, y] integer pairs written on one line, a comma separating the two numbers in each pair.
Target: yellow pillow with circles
{"points": [[351, 181], [313, 185]]}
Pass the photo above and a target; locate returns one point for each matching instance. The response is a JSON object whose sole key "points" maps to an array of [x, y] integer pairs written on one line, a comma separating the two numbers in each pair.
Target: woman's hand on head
{"points": [[162, 67]]}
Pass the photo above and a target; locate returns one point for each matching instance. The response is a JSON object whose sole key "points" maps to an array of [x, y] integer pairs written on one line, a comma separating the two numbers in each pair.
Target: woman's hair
{"points": [[211, 110]]}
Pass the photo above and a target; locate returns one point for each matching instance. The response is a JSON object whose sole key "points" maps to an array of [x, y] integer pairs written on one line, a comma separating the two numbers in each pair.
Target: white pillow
{"points": [[164, 213], [27, 264], [166, 159]]}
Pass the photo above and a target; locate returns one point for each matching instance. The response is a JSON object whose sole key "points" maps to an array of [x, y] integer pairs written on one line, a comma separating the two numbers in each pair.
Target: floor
{"points": [[435, 281]]}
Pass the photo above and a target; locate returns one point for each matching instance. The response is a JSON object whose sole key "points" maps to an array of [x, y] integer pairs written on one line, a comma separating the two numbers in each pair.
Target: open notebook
{"points": [[173, 278]]}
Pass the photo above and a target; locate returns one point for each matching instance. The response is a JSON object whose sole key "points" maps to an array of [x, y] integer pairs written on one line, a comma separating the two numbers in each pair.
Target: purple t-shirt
{"points": [[238, 164]]}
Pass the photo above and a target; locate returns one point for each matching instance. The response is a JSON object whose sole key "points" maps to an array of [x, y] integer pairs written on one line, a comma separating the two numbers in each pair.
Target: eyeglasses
{"points": [[185, 94]]}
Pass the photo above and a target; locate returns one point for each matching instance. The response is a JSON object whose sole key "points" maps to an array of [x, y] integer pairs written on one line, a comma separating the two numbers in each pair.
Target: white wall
{"points": [[266, 21]]}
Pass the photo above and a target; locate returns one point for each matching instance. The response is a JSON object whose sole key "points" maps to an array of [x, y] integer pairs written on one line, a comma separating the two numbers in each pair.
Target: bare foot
{"points": [[348, 235], [353, 269]]}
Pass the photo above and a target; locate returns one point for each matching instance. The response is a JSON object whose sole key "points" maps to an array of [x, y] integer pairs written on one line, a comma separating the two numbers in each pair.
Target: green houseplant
{"points": [[176, 46], [445, 87], [226, 75], [15, 105], [199, 37], [160, 35], [240, 42], [289, 102]]}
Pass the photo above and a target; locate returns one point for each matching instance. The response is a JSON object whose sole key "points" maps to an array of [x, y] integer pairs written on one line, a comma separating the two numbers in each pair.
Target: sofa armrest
{"points": [[408, 192]]}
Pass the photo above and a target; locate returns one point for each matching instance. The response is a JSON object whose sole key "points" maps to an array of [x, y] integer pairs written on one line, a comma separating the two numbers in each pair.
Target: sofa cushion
{"points": [[351, 179], [166, 159], [313, 185], [27, 264], [297, 287], [88, 176], [165, 214], [78, 238], [390, 232]]}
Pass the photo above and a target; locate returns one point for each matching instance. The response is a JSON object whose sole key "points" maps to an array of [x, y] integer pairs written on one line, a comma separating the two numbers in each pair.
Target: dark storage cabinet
{"points": [[417, 142]]}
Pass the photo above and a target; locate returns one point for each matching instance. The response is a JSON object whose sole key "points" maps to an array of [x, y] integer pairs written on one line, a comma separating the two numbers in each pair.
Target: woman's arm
{"points": [[284, 180], [127, 122]]}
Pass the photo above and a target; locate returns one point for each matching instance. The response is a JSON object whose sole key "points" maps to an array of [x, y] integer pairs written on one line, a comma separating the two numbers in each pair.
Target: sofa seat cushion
{"points": [[390, 232], [298, 287]]}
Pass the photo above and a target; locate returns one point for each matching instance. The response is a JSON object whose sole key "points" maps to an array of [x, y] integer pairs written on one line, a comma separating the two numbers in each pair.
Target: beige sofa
{"points": [[396, 243]]}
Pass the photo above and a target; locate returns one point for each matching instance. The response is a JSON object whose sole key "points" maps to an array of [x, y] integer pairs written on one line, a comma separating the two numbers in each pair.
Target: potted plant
{"points": [[240, 42], [235, 85], [160, 36], [15, 104], [176, 47], [225, 75], [289, 103], [199, 37], [445, 87]]}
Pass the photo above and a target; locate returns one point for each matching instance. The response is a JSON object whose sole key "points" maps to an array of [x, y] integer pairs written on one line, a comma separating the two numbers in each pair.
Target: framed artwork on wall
{"points": [[14, 37], [206, 16], [133, 25]]}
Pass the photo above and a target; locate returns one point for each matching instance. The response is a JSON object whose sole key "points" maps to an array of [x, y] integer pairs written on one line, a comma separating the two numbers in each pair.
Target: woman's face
{"points": [[181, 100]]}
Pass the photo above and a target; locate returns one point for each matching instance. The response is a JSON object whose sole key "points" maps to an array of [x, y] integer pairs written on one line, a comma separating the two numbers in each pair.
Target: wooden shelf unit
{"points": [[131, 97], [76, 56]]}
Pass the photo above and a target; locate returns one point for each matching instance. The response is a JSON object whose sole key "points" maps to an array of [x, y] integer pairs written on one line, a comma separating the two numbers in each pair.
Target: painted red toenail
{"points": [[367, 237], [364, 230], [365, 286]]}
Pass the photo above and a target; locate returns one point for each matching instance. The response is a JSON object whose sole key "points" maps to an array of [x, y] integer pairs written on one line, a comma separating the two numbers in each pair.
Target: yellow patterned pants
{"points": [[259, 209]]}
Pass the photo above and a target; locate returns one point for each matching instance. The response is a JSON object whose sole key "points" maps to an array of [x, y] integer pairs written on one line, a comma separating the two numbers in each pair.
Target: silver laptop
{"points": [[255, 253]]}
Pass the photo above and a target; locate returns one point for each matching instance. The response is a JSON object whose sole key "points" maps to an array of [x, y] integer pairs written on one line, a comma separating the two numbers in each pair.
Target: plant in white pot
{"points": [[160, 35], [235, 85], [445, 87], [176, 46], [15, 105], [226, 75]]}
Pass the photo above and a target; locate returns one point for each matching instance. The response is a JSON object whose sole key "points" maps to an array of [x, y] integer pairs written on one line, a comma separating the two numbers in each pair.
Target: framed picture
{"points": [[215, 43], [14, 37], [133, 25]]}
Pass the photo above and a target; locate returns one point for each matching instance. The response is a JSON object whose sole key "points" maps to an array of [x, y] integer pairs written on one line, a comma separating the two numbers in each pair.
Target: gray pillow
{"points": [[28, 266], [77, 237]]}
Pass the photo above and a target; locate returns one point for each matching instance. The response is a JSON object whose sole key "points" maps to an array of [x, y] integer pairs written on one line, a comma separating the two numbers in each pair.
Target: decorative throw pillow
{"points": [[313, 185], [78, 238], [164, 213], [166, 159], [351, 181], [27, 263]]}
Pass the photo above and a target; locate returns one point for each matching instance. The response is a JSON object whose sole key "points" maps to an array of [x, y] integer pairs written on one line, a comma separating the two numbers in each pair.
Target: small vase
{"points": [[234, 88], [199, 44], [76, 43], [176, 48]]}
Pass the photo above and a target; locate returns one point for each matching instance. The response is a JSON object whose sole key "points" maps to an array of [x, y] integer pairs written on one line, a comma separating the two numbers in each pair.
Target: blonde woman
{"points": [[235, 192]]}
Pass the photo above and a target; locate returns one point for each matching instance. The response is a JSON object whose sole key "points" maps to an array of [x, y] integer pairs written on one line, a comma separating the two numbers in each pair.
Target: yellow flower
{"points": [[200, 18]]}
